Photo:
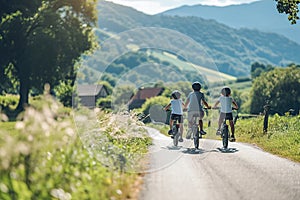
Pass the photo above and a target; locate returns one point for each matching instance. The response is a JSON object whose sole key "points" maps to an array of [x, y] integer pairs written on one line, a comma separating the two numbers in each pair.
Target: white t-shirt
{"points": [[176, 105], [226, 104]]}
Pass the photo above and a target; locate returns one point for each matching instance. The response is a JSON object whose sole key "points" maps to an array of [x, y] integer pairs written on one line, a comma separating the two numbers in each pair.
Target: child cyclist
{"points": [[177, 112], [226, 110], [194, 107]]}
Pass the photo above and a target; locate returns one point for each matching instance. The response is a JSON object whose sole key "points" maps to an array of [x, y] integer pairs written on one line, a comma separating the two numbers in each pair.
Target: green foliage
{"points": [[129, 67], [159, 100], [155, 103], [258, 68], [64, 92], [48, 160], [282, 138], [104, 103], [121, 95], [42, 41], [8, 101], [280, 87], [289, 7], [107, 85], [109, 78]]}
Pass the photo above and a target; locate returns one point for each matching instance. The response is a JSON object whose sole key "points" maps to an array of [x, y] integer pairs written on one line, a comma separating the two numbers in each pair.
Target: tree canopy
{"points": [[280, 87], [258, 68], [40, 42], [289, 7]]}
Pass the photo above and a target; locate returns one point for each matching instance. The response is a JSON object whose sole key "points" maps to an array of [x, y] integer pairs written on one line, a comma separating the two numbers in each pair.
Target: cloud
{"points": [[157, 6]]}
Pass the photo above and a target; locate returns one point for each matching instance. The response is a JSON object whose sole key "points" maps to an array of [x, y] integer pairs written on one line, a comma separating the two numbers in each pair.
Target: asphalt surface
{"points": [[242, 172]]}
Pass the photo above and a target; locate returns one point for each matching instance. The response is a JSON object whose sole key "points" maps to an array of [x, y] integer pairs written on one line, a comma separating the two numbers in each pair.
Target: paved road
{"points": [[244, 172]]}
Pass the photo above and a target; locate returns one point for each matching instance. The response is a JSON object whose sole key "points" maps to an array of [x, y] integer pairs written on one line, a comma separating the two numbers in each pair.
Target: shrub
{"points": [[9, 101], [155, 103]]}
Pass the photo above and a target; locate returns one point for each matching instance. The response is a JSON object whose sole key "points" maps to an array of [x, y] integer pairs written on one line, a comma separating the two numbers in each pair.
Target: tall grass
{"points": [[42, 157], [282, 137]]}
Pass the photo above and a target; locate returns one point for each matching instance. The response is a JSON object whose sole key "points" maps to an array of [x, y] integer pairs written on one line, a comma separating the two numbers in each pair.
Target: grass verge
{"points": [[43, 157], [282, 138]]}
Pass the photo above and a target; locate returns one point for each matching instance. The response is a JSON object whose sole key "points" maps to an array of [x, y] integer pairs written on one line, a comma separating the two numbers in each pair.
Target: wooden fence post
{"points": [[266, 118]]}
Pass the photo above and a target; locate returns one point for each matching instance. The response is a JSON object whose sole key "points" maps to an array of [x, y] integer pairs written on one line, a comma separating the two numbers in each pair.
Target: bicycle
{"points": [[225, 131], [175, 131], [196, 134]]}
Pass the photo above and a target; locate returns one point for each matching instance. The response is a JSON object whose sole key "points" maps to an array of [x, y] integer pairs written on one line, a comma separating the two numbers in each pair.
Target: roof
{"points": [[88, 90], [146, 93]]}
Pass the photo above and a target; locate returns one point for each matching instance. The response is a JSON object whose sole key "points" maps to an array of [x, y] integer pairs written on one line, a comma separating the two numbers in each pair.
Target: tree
{"points": [[289, 7], [258, 68], [40, 41], [280, 87]]}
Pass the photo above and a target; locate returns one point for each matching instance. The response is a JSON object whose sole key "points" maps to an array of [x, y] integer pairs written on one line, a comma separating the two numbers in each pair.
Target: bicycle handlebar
{"points": [[216, 108]]}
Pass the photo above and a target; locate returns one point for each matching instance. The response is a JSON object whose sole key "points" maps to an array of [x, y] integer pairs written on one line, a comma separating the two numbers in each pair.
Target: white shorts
{"points": [[192, 114]]}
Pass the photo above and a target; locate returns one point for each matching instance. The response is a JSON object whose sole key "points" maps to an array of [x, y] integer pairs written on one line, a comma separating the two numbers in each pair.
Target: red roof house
{"points": [[142, 95]]}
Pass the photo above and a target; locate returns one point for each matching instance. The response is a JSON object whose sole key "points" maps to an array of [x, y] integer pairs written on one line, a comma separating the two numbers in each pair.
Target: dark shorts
{"points": [[228, 116], [179, 117]]}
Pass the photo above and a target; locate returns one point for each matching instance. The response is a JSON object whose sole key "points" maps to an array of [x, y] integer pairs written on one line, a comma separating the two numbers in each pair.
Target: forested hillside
{"points": [[261, 15], [233, 50]]}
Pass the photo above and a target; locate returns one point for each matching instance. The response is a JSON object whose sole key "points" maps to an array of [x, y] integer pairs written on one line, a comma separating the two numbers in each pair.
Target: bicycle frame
{"points": [[225, 130], [225, 134], [175, 131], [196, 131]]}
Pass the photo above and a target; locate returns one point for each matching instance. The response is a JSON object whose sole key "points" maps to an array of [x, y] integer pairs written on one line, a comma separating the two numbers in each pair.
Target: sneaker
{"points": [[180, 140], [232, 139], [202, 132], [188, 134], [218, 132], [170, 132]]}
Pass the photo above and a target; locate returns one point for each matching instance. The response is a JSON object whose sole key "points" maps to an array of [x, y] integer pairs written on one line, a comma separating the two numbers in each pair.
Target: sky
{"points": [[157, 6]]}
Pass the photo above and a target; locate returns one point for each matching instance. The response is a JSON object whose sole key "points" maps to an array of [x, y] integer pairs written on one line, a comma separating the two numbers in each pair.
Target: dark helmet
{"points": [[226, 91], [196, 86], [176, 94]]}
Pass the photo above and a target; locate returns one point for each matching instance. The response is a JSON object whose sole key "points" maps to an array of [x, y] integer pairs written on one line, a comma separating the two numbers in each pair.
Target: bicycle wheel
{"points": [[176, 136], [225, 136], [196, 138]]}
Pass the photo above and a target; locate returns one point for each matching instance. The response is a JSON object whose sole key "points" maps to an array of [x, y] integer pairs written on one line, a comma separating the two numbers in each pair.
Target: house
{"points": [[89, 94], [140, 97]]}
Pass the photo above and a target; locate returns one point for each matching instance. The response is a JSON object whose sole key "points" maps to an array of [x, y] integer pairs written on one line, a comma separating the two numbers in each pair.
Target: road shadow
{"points": [[172, 147], [193, 151], [228, 150]]}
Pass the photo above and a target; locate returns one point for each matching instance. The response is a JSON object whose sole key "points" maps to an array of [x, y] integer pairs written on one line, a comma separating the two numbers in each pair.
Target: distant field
{"points": [[211, 75]]}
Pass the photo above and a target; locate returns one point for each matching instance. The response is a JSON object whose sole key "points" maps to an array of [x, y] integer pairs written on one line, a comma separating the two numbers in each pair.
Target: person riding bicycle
{"points": [[194, 107], [177, 112], [226, 110]]}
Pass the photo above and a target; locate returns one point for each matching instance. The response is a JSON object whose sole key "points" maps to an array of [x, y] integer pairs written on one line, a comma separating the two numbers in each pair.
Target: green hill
{"points": [[232, 50]]}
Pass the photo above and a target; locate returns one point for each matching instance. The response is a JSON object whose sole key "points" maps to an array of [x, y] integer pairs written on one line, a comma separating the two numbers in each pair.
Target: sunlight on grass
{"points": [[42, 157]]}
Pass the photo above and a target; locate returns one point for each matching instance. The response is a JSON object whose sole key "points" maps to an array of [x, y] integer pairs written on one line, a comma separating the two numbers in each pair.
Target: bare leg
{"points": [[171, 124], [181, 129], [220, 122]]}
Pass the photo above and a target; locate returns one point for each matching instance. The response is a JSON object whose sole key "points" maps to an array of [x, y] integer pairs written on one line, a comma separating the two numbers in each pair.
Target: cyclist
{"points": [[194, 107], [176, 105], [226, 110]]}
